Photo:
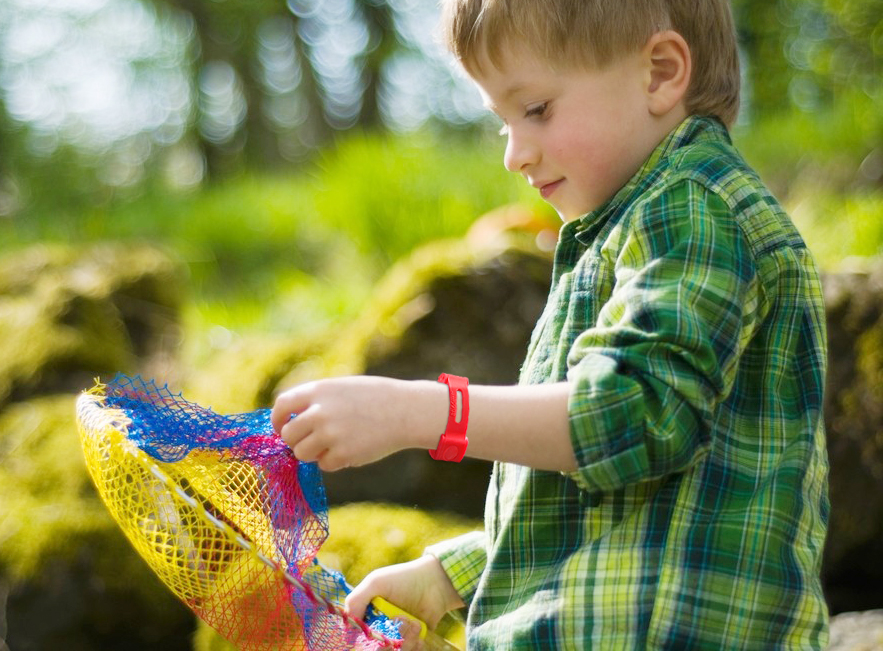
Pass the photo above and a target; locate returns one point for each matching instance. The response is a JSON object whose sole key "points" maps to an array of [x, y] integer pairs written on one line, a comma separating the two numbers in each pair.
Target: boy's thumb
{"points": [[356, 603]]}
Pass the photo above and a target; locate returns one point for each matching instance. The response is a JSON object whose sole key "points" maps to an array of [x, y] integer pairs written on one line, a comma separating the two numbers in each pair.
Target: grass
{"points": [[295, 253], [298, 252]]}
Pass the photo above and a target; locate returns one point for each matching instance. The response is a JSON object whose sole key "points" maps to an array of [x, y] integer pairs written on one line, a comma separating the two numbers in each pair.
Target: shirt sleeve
{"points": [[463, 559], [665, 347]]}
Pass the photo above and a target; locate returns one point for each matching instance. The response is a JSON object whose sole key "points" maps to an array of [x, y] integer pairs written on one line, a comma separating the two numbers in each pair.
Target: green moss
{"points": [[870, 356], [869, 364], [398, 300], [67, 314], [60, 549], [206, 639], [42, 337], [243, 375], [364, 537], [47, 494], [840, 230]]}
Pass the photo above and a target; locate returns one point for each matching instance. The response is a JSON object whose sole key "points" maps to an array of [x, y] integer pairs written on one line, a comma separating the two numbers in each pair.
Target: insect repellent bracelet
{"points": [[452, 444]]}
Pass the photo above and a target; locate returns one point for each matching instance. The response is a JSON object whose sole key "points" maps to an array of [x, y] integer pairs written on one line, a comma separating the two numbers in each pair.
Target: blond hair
{"points": [[593, 33]]}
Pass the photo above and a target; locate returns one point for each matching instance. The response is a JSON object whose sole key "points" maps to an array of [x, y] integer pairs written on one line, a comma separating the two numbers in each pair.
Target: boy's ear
{"points": [[669, 66]]}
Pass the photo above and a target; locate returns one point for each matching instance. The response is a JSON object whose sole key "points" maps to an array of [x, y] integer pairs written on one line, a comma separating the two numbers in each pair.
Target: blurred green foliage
{"points": [[289, 252], [804, 54], [296, 244]]}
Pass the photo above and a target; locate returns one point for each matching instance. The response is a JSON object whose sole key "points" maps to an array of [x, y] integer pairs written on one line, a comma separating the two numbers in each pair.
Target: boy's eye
{"points": [[536, 111]]}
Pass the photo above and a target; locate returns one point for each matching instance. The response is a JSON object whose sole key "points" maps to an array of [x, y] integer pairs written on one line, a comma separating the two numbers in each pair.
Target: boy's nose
{"points": [[519, 154]]}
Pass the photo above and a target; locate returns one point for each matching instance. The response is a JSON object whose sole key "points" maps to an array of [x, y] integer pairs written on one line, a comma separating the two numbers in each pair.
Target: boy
{"points": [[661, 470]]}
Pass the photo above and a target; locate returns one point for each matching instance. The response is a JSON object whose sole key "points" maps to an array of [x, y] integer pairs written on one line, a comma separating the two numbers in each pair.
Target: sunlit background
{"points": [[196, 83], [134, 79], [236, 131], [130, 80]]}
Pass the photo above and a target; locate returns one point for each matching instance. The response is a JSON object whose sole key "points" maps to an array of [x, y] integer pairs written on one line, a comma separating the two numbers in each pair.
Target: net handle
{"points": [[431, 641]]}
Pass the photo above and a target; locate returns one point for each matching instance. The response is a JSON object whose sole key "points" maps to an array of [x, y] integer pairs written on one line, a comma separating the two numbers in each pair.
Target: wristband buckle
{"points": [[452, 444]]}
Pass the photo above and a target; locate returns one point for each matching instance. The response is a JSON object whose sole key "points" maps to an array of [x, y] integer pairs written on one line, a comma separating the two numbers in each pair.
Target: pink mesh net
{"points": [[225, 515]]}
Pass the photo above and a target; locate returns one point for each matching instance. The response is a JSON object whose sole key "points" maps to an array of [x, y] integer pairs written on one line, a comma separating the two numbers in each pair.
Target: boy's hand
{"points": [[419, 587], [352, 421]]}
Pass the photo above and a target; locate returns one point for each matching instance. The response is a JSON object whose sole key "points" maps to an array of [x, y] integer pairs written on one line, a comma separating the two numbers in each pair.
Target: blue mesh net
{"points": [[242, 474]]}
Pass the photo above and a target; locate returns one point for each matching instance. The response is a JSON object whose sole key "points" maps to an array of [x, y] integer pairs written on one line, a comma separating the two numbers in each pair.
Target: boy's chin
{"points": [[569, 215], [573, 211]]}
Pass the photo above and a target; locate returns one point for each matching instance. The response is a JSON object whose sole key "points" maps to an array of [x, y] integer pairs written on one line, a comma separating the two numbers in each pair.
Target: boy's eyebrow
{"points": [[508, 93], [514, 89]]}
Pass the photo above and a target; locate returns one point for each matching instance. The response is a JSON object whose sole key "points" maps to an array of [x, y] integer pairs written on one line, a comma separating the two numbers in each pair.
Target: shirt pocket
{"points": [[591, 288], [545, 340]]}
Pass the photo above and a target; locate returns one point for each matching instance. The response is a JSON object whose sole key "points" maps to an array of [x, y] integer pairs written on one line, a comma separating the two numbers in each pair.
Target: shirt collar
{"points": [[691, 130]]}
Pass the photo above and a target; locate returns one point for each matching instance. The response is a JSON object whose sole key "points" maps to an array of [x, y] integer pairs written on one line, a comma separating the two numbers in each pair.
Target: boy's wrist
{"points": [[428, 408]]}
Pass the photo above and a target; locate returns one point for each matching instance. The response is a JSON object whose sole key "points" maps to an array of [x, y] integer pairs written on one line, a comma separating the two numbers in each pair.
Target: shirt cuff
{"points": [[606, 424], [463, 559]]}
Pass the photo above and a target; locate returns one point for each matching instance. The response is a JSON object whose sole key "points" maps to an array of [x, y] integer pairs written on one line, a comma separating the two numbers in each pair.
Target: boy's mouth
{"points": [[547, 189]]}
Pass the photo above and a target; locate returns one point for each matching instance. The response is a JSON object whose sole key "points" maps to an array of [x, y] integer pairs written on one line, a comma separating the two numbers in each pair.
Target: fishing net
{"points": [[225, 515]]}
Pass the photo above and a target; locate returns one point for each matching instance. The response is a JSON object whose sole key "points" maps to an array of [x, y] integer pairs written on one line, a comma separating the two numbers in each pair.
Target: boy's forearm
{"points": [[527, 425]]}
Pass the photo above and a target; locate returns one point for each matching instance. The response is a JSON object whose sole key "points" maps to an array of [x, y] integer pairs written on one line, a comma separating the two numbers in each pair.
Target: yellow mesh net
{"points": [[223, 513]]}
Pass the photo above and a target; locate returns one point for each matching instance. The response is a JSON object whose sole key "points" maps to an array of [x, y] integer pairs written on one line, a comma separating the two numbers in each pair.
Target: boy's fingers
{"points": [[301, 438], [356, 603], [331, 463], [310, 449], [287, 404], [281, 413], [295, 429]]}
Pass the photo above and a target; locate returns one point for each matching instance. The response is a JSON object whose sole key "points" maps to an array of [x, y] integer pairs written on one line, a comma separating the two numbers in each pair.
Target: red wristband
{"points": [[452, 444]]}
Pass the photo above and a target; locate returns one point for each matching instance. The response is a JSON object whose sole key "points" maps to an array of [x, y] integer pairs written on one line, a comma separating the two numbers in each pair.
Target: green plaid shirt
{"points": [[687, 315]]}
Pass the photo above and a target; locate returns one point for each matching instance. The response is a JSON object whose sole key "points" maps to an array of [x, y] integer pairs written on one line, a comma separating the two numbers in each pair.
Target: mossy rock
{"points": [[452, 306], [364, 537], [47, 494], [244, 376], [852, 575], [73, 580], [69, 314], [454, 303]]}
